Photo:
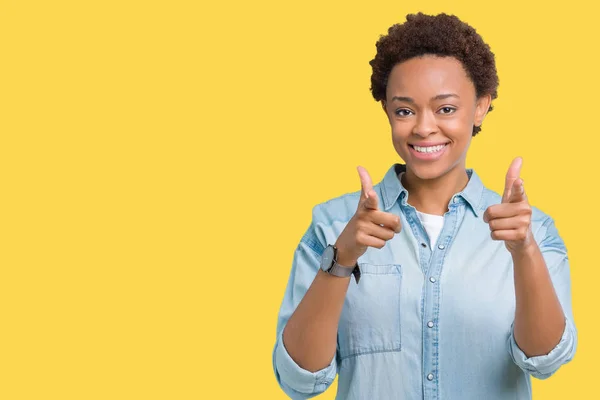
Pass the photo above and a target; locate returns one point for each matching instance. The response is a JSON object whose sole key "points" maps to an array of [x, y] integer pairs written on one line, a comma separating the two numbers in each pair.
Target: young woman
{"points": [[427, 285]]}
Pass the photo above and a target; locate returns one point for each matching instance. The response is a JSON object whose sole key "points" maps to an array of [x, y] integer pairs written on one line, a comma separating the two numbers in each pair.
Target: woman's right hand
{"points": [[369, 227]]}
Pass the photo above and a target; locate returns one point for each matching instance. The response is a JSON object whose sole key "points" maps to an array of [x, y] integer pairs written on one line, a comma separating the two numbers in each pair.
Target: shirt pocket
{"points": [[370, 320]]}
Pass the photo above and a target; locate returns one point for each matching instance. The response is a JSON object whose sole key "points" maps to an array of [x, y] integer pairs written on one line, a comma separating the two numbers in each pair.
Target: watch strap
{"points": [[344, 272]]}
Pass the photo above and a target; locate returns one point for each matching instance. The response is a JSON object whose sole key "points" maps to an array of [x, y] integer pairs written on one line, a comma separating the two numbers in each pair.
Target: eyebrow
{"points": [[438, 97]]}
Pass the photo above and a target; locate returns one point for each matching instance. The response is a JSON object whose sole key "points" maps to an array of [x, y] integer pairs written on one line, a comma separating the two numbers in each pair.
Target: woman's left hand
{"points": [[511, 220]]}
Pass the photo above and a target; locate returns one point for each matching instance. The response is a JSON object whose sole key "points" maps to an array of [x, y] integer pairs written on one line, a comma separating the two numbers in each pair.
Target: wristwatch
{"points": [[329, 264]]}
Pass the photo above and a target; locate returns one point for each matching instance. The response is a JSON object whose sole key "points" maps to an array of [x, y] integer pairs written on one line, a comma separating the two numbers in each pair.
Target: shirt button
{"points": [[455, 200], [432, 279], [430, 377], [423, 245], [441, 247], [430, 324]]}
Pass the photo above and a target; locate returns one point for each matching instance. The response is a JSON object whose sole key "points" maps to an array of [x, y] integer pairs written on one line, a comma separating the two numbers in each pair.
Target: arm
{"points": [[544, 336], [310, 336], [304, 356], [539, 318], [296, 381]]}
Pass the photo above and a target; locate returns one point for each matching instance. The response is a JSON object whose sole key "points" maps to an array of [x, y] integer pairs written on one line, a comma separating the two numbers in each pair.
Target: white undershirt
{"points": [[433, 224]]}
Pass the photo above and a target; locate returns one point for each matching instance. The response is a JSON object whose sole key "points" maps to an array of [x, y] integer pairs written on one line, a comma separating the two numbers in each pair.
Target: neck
{"points": [[431, 196]]}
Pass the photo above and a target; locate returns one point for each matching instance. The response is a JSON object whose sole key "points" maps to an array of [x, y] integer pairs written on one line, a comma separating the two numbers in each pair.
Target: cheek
{"points": [[457, 121], [401, 132], [399, 140], [459, 127], [401, 129]]}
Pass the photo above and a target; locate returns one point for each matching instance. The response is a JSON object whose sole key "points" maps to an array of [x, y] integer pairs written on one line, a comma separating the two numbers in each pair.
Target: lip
{"points": [[427, 156], [427, 144]]}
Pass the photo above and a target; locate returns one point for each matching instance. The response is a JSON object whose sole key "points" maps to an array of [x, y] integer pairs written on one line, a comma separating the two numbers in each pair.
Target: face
{"points": [[432, 105]]}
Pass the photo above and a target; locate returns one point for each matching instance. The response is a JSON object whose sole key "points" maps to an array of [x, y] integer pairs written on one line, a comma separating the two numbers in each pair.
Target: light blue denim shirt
{"points": [[426, 322]]}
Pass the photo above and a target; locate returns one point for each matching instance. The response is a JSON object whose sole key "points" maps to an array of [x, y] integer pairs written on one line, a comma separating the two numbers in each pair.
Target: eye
{"points": [[403, 112], [447, 110]]}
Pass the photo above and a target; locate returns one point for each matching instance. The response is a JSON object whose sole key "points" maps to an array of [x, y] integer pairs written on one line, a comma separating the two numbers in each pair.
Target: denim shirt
{"points": [[426, 322]]}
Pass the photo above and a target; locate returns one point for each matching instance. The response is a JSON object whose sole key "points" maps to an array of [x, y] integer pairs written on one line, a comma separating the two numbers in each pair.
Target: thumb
{"points": [[513, 173], [368, 197]]}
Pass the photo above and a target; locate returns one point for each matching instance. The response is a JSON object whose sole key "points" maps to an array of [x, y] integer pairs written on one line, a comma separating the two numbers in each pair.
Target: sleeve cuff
{"points": [[544, 366], [299, 379]]}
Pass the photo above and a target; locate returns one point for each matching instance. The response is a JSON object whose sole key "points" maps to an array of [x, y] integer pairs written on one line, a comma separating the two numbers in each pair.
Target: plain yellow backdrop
{"points": [[159, 161]]}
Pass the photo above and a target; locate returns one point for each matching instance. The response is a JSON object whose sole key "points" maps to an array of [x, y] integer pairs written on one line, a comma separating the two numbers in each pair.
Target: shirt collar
{"points": [[392, 189]]}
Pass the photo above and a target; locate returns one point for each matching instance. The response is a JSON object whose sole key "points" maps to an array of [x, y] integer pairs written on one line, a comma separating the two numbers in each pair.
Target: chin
{"points": [[429, 171]]}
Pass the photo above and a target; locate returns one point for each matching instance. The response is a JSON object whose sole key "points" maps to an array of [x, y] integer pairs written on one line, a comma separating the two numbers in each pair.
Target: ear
{"points": [[481, 108]]}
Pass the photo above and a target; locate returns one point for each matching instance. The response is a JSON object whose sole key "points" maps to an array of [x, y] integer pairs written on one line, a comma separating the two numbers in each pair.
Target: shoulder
{"points": [[491, 197], [330, 217], [338, 209], [542, 224], [343, 207]]}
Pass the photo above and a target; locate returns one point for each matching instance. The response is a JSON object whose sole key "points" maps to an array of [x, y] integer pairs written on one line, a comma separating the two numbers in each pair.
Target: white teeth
{"points": [[431, 149]]}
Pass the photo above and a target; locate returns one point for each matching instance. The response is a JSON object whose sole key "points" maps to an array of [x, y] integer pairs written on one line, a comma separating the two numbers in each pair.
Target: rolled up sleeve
{"points": [[544, 366], [295, 381], [557, 261]]}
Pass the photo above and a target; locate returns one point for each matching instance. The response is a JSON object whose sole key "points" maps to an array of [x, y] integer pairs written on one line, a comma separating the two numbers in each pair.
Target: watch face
{"points": [[327, 258]]}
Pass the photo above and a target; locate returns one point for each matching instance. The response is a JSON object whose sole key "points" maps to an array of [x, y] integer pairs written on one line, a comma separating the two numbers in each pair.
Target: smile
{"points": [[429, 149], [428, 153]]}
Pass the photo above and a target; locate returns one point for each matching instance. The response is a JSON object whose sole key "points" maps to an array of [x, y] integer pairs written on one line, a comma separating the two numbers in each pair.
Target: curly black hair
{"points": [[442, 35]]}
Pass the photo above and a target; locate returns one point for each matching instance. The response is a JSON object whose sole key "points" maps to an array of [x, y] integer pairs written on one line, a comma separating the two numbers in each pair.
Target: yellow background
{"points": [[159, 161]]}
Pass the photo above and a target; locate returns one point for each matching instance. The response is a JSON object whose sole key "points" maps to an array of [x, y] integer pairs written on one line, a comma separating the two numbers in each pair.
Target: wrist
{"points": [[344, 259], [526, 252]]}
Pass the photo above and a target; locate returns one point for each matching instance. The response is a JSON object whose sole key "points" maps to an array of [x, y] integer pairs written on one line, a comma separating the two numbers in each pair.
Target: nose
{"points": [[425, 124]]}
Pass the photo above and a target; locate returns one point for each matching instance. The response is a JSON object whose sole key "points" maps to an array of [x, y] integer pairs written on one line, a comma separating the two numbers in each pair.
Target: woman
{"points": [[457, 292]]}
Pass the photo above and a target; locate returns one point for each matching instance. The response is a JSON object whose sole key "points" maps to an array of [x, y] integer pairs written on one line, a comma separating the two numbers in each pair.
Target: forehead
{"points": [[428, 76]]}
